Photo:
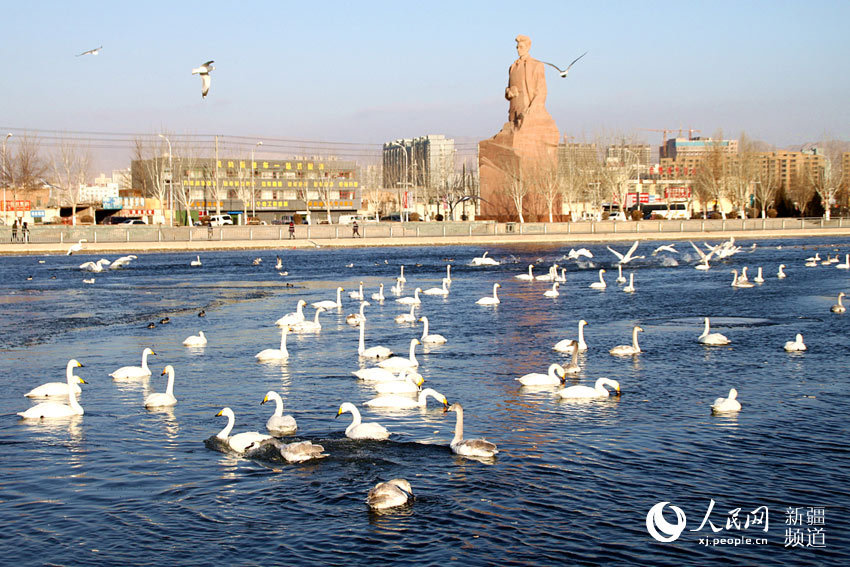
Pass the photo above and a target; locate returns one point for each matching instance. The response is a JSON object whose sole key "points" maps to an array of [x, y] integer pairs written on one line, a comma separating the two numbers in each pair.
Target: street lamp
{"points": [[253, 189], [405, 182], [170, 182], [5, 175]]}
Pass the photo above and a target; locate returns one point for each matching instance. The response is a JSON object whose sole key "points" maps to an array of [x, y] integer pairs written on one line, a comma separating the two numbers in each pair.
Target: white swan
{"points": [[621, 279], [483, 260], [627, 257], [196, 262], [844, 265], [781, 274], [576, 254], [721, 405], [308, 326], [58, 389], [198, 340], [566, 344], [163, 399], [295, 317], [357, 295], [526, 277], [704, 258], [95, 266], [122, 261], [628, 350], [271, 354], [406, 317], [812, 261], [379, 375], [375, 352], [411, 300], [301, 451], [444, 291], [399, 362], [631, 287], [398, 287], [278, 264], [76, 247], [469, 447], [131, 372], [549, 276], [328, 304], [736, 281], [554, 376], [89, 281], [797, 345], [665, 248], [390, 494], [359, 430], [355, 319], [379, 296], [838, 307], [427, 338], [552, 292], [241, 441], [405, 384], [711, 339], [448, 277], [563, 277], [601, 283], [759, 277], [279, 424], [743, 277], [585, 392], [494, 300], [53, 409], [397, 401], [401, 277]]}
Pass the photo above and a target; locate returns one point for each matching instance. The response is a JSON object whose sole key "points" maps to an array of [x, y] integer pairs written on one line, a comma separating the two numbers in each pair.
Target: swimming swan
{"points": [[291, 318], [468, 447], [759, 277], [401, 278], [357, 295], [166, 399], [566, 344], [379, 296], [359, 430], [721, 405], [444, 291], [552, 292], [585, 392], [526, 277], [838, 307], [631, 287], [58, 389], [405, 384], [796, 345], [390, 494], [846, 264], [355, 319], [601, 283], [628, 350], [411, 300], [131, 372], [196, 262], [51, 409], [555, 375], [398, 362], [198, 340], [711, 339], [241, 441], [375, 352], [483, 260], [397, 401], [272, 354], [494, 300], [736, 281], [781, 274], [406, 317], [279, 424], [328, 304], [308, 326], [621, 279], [430, 339]]}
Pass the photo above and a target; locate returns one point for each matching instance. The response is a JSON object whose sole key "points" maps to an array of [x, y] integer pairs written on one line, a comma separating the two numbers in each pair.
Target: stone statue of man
{"points": [[526, 85]]}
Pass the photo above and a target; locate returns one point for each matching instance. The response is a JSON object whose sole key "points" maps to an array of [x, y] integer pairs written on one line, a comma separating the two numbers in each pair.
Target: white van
{"points": [[348, 219], [220, 220]]}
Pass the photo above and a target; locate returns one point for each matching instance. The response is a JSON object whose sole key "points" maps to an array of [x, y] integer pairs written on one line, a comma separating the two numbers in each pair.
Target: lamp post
{"points": [[405, 182], [253, 190], [5, 175], [170, 182]]}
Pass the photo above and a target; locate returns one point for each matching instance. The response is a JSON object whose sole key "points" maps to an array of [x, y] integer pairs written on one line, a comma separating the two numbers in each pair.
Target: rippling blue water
{"points": [[572, 483]]}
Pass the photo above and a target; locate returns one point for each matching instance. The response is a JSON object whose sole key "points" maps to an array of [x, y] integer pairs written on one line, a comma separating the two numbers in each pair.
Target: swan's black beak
{"points": [[82, 381], [264, 401], [445, 408]]}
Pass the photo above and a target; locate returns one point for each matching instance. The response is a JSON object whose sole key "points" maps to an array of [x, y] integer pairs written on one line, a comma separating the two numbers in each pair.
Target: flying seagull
{"points": [[90, 52], [204, 72], [564, 72]]}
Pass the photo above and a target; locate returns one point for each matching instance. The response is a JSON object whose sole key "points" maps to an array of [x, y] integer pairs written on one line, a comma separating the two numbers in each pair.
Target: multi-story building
{"points": [[623, 154], [677, 148], [267, 189], [426, 162]]}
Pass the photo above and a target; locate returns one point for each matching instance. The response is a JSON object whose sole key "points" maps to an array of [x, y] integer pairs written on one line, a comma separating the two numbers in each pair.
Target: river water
{"points": [[573, 483]]}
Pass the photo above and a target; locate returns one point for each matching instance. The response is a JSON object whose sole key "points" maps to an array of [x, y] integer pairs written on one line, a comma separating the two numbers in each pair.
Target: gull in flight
{"points": [[627, 257], [90, 52], [666, 248], [564, 72], [204, 72]]}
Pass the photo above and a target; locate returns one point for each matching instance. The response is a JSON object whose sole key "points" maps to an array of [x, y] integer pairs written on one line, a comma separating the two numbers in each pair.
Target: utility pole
{"points": [[217, 200]]}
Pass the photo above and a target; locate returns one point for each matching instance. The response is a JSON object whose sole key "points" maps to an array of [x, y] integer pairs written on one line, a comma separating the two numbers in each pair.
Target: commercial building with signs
{"points": [[427, 161], [270, 190]]}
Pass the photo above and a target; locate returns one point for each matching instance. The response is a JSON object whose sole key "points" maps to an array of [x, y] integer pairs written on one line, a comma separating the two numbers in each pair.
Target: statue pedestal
{"points": [[511, 151]]}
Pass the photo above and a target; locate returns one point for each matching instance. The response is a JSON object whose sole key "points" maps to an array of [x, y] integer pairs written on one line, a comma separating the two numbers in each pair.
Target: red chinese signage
{"points": [[677, 193], [16, 205]]}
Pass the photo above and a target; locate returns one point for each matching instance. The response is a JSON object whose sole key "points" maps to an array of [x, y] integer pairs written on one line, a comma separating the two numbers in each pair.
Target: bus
{"points": [[664, 210]]}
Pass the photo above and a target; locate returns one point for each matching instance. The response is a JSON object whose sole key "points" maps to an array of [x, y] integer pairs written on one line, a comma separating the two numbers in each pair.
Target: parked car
{"points": [[220, 220], [134, 221]]}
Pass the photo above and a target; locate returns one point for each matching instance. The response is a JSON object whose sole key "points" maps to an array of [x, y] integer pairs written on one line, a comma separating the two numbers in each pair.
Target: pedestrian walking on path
{"points": [[14, 230], [355, 230], [291, 229]]}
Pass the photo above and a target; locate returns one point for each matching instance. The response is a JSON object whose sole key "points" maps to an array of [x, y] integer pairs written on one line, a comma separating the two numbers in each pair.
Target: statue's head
{"points": [[523, 44]]}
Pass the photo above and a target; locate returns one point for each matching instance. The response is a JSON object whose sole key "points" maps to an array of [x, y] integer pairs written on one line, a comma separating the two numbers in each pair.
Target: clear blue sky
{"points": [[369, 72]]}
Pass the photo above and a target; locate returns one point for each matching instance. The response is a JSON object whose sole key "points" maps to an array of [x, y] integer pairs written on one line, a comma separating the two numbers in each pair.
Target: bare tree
{"points": [[828, 177], [711, 178], [742, 171], [576, 165], [70, 169], [765, 185], [150, 156], [26, 167]]}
